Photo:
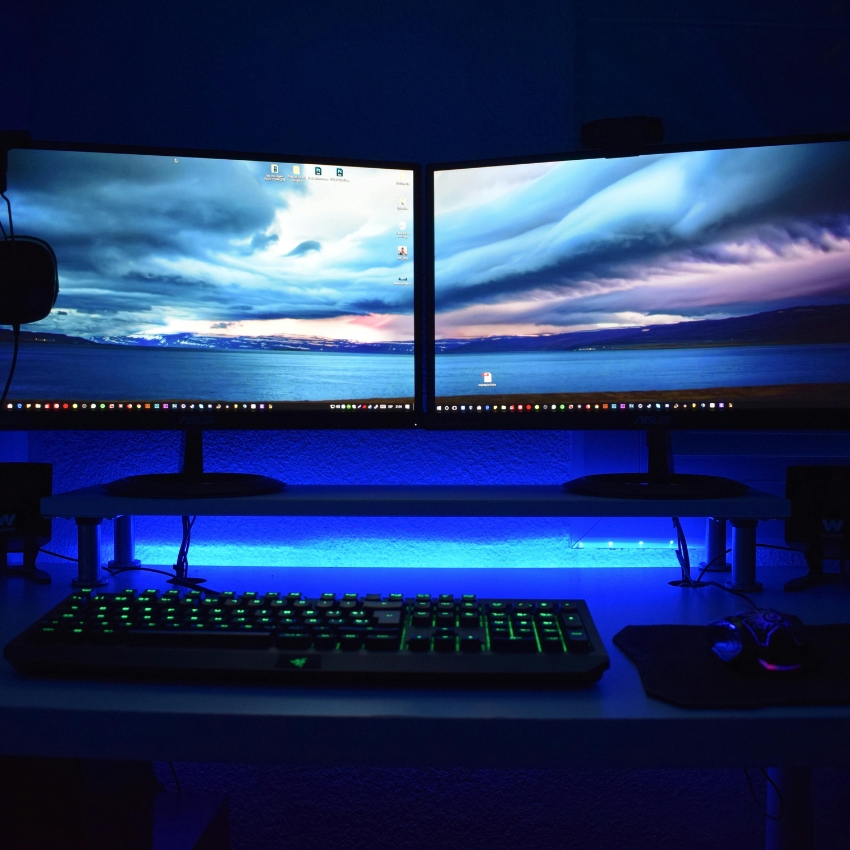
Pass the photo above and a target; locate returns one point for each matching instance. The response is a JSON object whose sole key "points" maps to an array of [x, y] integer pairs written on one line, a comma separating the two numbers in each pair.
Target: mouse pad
{"points": [[676, 665]]}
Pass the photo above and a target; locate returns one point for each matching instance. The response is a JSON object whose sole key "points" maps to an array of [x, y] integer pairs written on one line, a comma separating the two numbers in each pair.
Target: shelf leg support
{"points": [[793, 830], [744, 556], [88, 553], [124, 548]]}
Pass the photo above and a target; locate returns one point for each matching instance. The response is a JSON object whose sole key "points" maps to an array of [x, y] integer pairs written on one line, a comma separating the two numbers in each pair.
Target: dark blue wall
{"points": [[429, 81]]}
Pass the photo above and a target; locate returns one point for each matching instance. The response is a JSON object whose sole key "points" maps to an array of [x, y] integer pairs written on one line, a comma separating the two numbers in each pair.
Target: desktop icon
{"points": [[402, 252], [487, 377], [274, 168], [402, 203], [402, 225], [296, 169], [339, 172], [318, 171]]}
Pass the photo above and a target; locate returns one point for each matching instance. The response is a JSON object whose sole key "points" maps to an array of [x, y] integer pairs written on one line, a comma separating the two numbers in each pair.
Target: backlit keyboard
{"points": [[287, 637]]}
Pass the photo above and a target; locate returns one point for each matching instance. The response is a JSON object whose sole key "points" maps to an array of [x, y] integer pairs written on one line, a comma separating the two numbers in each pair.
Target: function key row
{"points": [[421, 601]]}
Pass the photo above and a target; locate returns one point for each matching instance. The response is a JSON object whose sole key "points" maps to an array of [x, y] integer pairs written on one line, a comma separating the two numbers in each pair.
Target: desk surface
{"points": [[407, 500], [612, 724]]}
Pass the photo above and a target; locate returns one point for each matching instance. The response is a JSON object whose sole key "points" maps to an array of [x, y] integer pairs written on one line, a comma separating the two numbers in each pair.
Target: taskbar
{"points": [[206, 406], [475, 406]]}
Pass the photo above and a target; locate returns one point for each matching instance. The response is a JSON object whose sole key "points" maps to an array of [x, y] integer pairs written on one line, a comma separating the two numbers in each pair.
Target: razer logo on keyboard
{"points": [[299, 662]]}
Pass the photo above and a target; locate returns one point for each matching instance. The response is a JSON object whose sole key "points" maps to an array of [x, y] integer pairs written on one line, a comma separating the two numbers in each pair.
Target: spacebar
{"points": [[199, 639]]}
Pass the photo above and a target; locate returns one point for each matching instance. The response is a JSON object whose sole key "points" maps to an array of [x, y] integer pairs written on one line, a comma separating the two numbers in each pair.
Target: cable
{"points": [[771, 546], [9, 208], [191, 583], [685, 562], [730, 590], [16, 330], [181, 568], [587, 532], [57, 555], [712, 562], [682, 554], [176, 780], [766, 813], [3, 231]]}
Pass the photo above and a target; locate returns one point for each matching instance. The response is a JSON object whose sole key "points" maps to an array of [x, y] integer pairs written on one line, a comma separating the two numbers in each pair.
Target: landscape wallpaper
{"points": [[724, 270], [213, 255]]}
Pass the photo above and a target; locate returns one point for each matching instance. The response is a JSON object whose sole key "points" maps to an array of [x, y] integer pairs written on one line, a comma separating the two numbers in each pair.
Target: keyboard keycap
{"points": [[513, 645], [470, 643], [294, 640], [577, 640], [382, 642], [419, 642], [196, 639]]}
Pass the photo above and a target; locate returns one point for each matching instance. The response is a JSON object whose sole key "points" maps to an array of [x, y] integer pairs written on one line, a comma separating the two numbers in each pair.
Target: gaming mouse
{"points": [[762, 638]]}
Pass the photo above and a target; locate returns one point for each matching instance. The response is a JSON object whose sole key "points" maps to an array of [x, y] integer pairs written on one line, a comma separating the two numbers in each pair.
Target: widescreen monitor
{"points": [[681, 288], [217, 290], [248, 290]]}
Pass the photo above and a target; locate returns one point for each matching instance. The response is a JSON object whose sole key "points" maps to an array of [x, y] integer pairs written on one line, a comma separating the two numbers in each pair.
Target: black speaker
{"points": [[819, 524], [22, 526], [622, 134], [29, 280]]}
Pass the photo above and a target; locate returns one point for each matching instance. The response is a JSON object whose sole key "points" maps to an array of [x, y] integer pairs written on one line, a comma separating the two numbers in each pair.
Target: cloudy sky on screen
{"points": [[560, 246], [149, 245]]}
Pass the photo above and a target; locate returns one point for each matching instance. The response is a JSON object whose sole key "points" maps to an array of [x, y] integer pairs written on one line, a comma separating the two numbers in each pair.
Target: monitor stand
{"points": [[193, 482], [659, 482]]}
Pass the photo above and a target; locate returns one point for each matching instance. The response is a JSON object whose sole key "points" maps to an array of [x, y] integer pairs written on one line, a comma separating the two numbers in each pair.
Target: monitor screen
{"points": [[690, 288], [226, 289]]}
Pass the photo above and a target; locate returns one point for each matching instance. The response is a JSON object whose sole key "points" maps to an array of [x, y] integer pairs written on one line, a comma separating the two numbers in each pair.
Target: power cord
{"points": [[191, 583], [181, 568], [684, 559], [57, 555], [16, 330], [11, 224], [773, 785], [176, 780]]}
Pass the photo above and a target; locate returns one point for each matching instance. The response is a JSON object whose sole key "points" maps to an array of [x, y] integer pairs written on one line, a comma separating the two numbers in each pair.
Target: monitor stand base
{"points": [[176, 485], [193, 482], [640, 485], [659, 482]]}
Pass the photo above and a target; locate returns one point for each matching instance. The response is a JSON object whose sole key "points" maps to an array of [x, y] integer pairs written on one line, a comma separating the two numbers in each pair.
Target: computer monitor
{"points": [[700, 287], [217, 290]]}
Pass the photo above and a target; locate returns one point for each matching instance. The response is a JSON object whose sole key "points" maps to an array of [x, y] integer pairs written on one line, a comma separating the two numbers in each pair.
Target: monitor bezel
{"points": [[283, 418], [827, 419]]}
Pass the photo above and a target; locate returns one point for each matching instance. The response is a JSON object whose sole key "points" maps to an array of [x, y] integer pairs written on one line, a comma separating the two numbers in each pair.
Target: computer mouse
{"points": [[762, 638]]}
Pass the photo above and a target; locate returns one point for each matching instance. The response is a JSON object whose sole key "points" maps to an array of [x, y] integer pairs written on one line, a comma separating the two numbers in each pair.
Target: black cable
{"points": [[776, 791], [712, 562], [57, 555], [587, 532], [181, 568], [682, 554], [730, 590], [766, 813], [176, 780], [9, 208], [685, 562], [16, 330], [3, 230], [771, 546], [191, 583]]}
